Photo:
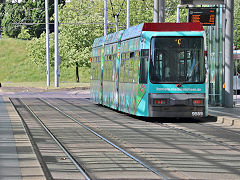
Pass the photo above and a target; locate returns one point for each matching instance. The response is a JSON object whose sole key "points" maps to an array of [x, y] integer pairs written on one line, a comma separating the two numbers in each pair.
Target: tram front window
{"points": [[177, 60]]}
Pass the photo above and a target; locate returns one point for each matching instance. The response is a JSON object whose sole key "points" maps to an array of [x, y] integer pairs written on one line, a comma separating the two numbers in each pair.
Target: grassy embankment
{"points": [[17, 70]]}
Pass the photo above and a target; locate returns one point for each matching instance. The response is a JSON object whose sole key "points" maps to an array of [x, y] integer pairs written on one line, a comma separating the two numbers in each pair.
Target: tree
{"points": [[236, 36], [2, 12], [13, 13], [26, 12], [75, 37]]}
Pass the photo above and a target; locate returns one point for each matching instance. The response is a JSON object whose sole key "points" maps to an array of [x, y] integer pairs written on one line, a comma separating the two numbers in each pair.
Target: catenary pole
{"points": [[229, 54], [116, 21], [178, 14], [47, 42], [156, 11], [128, 13], [105, 17], [56, 71], [223, 52], [161, 11]]}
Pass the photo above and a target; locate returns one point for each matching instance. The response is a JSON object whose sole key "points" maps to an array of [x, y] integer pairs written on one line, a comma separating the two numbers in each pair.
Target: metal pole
{"points": [[116, 21], [217, 51], [47, 42], [223, 52], [56, 44], [229, 54], [178, 14], [105, 17], [156, 11], [161, 11], [128, 13]]}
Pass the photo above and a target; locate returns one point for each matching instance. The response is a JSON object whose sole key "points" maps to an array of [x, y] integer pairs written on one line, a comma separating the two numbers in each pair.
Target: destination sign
{"points": [[204, 15]]}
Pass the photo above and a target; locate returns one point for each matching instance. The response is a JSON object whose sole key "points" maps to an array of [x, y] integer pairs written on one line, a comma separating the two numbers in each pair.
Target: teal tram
{"points": [[152, 70]]}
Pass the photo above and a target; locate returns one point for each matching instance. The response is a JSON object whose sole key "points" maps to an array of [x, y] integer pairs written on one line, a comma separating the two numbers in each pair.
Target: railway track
{"points": [[211, 133], [166, 143], [68, 134]]}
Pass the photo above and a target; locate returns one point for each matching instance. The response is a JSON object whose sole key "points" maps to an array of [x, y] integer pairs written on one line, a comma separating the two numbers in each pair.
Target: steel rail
{"points": [[106, 140], [58, 143]]}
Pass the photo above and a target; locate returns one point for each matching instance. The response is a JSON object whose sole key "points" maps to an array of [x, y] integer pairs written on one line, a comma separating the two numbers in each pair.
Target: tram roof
{"points": [[136, 31]]}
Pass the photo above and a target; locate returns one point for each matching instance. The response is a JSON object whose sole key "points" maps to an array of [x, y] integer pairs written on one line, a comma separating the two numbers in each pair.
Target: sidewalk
{"points": [[17, 158], [226, 116]]}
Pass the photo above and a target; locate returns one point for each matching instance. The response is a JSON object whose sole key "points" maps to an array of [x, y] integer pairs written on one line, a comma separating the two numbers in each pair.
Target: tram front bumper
{"points": [[176, 105]]}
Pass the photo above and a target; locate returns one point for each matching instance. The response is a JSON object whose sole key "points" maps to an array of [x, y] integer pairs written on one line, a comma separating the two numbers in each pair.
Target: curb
{"points": [[228, 121]]}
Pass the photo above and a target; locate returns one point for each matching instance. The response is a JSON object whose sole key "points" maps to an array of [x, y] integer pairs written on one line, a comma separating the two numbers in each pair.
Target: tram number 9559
{"points": [[197, 113]]}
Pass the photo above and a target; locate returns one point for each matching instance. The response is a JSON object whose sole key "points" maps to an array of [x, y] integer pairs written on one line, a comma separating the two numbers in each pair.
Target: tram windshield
{"points": [[177, 60]]}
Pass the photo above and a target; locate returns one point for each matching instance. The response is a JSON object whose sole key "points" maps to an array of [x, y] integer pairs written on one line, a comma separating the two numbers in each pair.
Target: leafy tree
{"points": [[13, 14], [37, 50], [236, 37], [75, 36], [2, 12], [26, 12], [24, 34]]}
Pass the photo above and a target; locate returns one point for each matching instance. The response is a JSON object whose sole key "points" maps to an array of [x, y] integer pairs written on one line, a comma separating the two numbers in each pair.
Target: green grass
{"points": [[16, 68]]}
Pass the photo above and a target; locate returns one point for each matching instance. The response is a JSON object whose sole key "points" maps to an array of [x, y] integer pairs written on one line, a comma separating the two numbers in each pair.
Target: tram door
{"points": [[101, 77], [116, 78]]}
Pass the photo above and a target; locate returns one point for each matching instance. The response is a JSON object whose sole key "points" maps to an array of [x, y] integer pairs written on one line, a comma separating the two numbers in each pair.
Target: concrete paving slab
{"points": [[17, 158], [9, 166]]}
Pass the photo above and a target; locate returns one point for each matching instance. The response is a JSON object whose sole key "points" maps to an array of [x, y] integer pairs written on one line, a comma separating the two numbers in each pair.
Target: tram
{"points": [[151, 70]]}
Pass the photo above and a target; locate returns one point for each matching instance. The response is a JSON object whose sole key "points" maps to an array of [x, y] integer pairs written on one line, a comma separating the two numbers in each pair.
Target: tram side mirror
{"points": [[143, 75], [144, 52], [206, 53]]}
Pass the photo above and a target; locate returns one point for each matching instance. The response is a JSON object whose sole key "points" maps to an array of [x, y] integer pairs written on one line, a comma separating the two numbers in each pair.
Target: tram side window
{"points": [[131, 66], [113, 68], [104, 69], [144, 66], [108, 68], [99, 67], [93, 69], [135, 69], [126, 68], [96, 68], [122, 67]]}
